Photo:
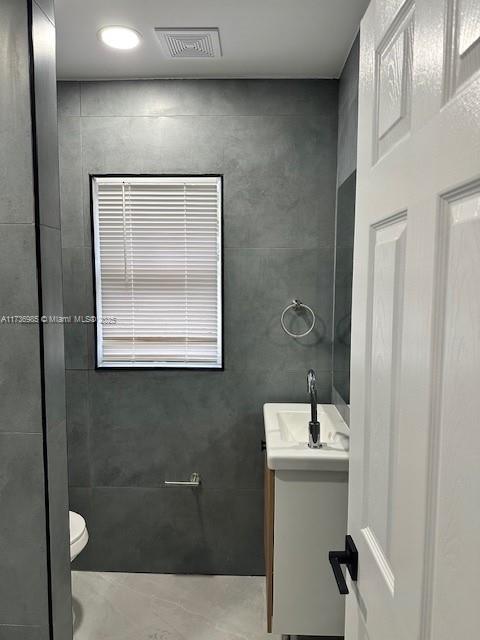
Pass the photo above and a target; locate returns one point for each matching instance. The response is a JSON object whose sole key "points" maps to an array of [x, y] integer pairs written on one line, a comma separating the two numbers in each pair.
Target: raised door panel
{"points": [[455, 611], [393, 86], [462, 51], [388, 240], [391, 106]]}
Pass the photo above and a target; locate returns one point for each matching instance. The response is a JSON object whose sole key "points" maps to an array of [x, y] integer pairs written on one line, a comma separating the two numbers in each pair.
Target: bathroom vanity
{"points": [[305, 518]]}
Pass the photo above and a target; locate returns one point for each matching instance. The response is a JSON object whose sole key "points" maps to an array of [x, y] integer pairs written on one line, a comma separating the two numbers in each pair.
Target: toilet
{"points": [[78, 534]]}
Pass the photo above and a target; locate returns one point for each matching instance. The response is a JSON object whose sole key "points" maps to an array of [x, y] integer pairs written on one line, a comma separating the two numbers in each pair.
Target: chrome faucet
{"points": [[314, 425]]}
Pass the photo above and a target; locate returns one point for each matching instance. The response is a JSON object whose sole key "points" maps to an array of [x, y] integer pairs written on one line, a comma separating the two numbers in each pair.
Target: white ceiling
{"points": [[260, 38]]}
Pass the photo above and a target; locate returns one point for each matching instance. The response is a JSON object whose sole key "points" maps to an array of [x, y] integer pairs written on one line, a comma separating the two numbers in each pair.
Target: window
{"points": [[158, 271]]}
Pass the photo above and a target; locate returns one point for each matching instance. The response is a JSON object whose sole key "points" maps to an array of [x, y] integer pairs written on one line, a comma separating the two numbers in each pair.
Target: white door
{"points": [[414, 502]]}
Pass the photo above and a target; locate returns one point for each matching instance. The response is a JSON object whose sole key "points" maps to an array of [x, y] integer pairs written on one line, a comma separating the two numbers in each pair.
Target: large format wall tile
{"points": [[19, 378], [171, 530], [209, 97], [77, 281], [346, 165], [147, 429], [18, 288], [279, 181], [43, 33], [19, 342], [23, 632], [70, 161], [279, 173], [269, 279], [275, 144], [68, 96], [78, 426], [78, 301], [53, 336], [59, 527], [76, 356], [348, 114], [23, 586], [16, 200], [32, 442]]}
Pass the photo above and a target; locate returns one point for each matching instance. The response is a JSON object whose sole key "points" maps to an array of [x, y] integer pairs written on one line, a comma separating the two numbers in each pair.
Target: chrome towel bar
{"points": [[193, 483]]}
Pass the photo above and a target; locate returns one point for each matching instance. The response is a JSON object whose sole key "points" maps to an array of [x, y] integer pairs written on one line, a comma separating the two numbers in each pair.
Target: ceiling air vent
{"points": [[190, 43]]}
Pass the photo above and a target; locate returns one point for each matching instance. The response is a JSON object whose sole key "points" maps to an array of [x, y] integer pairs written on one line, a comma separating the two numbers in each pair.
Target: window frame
{"points": [[220, 292]]}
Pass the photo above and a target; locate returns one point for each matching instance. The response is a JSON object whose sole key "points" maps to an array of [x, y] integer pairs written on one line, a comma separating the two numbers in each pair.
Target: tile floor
{"points": [[136, 606]]}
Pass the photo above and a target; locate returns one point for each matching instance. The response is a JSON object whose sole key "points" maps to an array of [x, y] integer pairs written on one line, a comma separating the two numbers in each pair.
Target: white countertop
{"points": [[286, 435]]}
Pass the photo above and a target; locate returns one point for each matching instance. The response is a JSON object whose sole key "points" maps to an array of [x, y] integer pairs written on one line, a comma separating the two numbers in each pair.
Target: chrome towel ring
{"points": [[297, 305]]}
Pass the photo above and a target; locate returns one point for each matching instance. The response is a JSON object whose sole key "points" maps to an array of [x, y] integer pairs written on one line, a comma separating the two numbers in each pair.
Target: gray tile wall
{"points": [[346, 165], [275, 143], [52, 305], [28, 526], [348, 114], [342, 308], [23, 566]]}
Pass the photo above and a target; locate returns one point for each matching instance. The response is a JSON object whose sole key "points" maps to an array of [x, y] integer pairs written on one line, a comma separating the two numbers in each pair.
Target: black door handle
{"points": [[349, 558]]}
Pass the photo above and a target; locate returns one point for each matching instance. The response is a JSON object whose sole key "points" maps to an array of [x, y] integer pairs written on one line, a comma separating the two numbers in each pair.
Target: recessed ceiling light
{"points": [[119, 37]]}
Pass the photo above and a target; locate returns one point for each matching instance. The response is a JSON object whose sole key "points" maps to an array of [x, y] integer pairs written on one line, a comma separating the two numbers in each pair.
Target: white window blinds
{"points": [[158, 271]]}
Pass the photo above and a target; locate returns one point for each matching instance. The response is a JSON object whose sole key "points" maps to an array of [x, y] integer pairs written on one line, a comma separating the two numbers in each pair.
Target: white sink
{"points": [[286, 434]]}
